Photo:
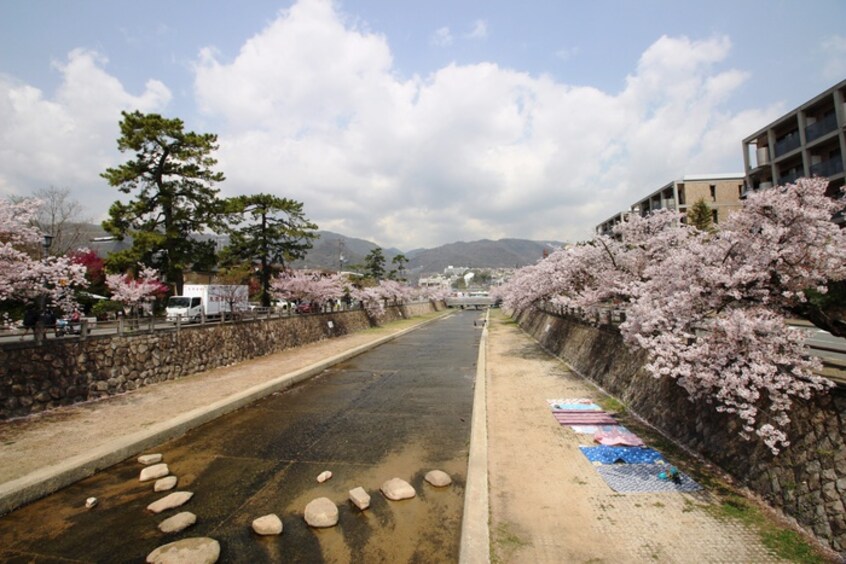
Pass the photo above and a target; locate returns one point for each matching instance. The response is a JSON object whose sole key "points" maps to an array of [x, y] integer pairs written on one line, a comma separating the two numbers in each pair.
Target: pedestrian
{"points": [[30, 320], [48, 319]]}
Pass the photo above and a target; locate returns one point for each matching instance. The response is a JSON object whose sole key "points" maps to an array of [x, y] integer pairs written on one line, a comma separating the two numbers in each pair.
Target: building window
{"points": [[740, 190], [713, 188], [714, 216]]}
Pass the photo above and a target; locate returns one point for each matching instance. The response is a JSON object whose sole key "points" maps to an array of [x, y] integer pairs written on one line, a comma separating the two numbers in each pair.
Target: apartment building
{"points": [[722, 192], [808, 141]]}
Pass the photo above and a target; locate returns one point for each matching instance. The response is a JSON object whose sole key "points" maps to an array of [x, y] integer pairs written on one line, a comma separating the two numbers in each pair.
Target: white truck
{"points": [[206, 300]]}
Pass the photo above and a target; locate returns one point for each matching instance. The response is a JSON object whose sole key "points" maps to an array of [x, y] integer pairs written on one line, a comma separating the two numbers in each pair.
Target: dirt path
{"points": [[38, 441], [549, 504]]}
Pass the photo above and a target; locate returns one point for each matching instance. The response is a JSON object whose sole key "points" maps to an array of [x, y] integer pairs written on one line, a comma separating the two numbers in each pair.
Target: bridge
{"points": [[468, 302]]}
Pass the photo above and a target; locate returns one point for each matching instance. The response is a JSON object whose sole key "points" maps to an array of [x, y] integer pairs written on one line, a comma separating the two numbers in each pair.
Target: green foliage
{"points": [[784, 542], [699, 216], [267, 230], [826, 310], [104, 307], [398, 272], [374, 264], [172, 181]]}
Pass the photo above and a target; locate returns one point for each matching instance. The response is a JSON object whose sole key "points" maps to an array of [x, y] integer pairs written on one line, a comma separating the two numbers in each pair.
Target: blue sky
{"points": [[414, 124]]}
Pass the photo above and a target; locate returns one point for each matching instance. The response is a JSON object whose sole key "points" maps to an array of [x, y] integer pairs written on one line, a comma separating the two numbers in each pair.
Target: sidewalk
{"points": [[548, 502], [45, 452]]}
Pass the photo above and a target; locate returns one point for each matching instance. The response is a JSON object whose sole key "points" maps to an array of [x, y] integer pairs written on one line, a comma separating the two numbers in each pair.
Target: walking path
{"points": [[548, 502]]}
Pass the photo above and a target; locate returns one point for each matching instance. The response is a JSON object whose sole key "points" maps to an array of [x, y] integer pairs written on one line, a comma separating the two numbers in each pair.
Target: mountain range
{"points": [[503, 253], [329, 248]]}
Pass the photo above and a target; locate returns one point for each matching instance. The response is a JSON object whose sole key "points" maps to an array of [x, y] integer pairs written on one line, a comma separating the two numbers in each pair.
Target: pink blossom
{"points": [[23, 277], [135, 292], [710, 309]]}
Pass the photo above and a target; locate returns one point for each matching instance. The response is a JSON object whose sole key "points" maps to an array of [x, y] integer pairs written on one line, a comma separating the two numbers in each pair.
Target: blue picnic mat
{"points": [[633, 478], [622, 454], [574, 407]]}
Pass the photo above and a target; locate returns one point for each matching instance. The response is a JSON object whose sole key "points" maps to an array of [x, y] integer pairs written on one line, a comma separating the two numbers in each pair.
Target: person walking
{"points": [[30, 320]]}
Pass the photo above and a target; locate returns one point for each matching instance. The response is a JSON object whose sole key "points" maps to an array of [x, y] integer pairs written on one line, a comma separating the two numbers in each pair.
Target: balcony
{"points": [[830, 167], [790, 176], [787, 143], [817, 129]]}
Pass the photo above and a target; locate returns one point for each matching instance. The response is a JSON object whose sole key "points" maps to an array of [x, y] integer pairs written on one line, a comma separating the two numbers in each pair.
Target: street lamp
{"points": [[42, 299], [47, 243]]}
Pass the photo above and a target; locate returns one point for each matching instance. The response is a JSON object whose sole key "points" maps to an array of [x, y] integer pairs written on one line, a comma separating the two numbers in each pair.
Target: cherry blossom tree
{"points": [[301, 286], [136, 292], [23, 277], [710, 308]]}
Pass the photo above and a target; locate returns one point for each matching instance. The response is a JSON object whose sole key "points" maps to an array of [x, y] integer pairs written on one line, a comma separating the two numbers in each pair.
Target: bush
{"points": [[103, 308]]}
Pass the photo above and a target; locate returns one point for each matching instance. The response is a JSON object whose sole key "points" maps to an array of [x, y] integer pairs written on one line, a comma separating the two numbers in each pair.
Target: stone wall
{"points": [[64, 371], [807, 481]]}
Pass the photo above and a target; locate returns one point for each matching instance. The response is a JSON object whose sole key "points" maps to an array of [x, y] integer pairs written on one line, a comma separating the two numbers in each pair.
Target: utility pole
{"points": [[341, 258]]}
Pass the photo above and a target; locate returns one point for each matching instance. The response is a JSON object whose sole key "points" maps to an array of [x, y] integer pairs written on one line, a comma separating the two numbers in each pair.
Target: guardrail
{"points": [[89, 327], [836, 368]]}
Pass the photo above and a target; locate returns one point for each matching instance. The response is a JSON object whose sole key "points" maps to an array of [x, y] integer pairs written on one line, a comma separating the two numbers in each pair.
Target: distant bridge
{"points": [[467, 302]]}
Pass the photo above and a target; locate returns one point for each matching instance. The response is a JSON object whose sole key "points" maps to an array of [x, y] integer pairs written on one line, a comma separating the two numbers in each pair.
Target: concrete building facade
{"points": [[722, 193], [808, 141]]}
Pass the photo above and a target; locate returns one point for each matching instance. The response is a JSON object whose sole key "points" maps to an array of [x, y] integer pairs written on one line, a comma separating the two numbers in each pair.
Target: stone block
{"points": [[360, 498]]}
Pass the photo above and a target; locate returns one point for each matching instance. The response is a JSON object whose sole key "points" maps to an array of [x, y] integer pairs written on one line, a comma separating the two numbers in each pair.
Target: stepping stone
{"points": [[323, 476], [268, 525], [197, 550], [438, 478], [396, 489], [321, 512], [165, 484], [147, 459], [178, 522], [360, 498], [169, 502], [154, 472]]}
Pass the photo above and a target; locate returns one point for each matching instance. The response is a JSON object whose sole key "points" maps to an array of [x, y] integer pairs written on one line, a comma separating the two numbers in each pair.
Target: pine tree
{"points": [[699, 216]]}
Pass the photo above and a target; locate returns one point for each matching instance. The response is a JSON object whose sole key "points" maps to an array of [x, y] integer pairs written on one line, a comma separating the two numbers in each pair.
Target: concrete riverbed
{"points": [[398, 411]]}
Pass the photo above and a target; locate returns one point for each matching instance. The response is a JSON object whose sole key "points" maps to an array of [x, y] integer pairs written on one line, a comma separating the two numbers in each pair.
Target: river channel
{"points": [[399, 410]]}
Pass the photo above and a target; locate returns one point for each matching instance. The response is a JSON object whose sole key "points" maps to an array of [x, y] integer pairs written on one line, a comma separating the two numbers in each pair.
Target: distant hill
{"points": [[326, 251], [504, 253]]}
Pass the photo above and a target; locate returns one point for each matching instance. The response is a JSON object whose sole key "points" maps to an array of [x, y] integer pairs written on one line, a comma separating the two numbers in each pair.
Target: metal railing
{"points": [[91, 327], [613, 317], [787, 143], [829, 167], [819, 128]]}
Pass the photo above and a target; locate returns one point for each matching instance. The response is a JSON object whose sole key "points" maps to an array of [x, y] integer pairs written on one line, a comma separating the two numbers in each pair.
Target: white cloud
{"points": [[69, 138], [834, 57], [442, 37], [316, 112], [479, 31], [312, 108]]}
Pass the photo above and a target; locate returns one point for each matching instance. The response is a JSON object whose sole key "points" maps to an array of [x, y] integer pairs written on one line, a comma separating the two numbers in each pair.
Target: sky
{"points": [[413, 124]]}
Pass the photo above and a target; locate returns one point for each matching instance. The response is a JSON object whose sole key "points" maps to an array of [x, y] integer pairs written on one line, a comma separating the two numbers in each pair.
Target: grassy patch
{"points": [[785, 543], [612, 405], [505, 543]]}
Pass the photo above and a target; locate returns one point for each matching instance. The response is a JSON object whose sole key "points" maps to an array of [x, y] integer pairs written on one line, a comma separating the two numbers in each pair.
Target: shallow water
{"points": [[397, 411]]}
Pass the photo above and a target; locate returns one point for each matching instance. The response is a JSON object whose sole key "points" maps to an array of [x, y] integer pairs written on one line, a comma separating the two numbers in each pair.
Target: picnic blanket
{"points": [[590, 429], [621, 454], [582, 417], [576, 404], [644, 478], [617, 435]]}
